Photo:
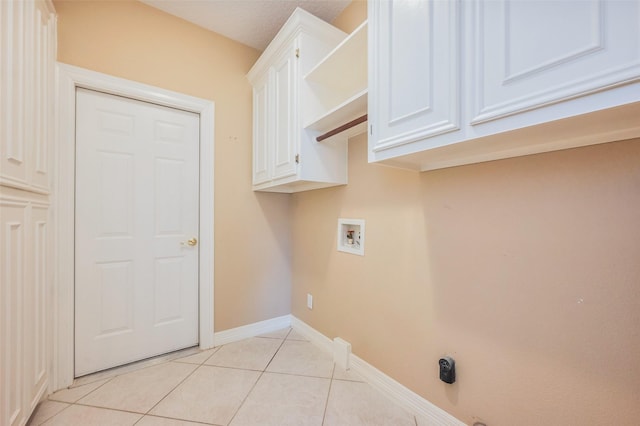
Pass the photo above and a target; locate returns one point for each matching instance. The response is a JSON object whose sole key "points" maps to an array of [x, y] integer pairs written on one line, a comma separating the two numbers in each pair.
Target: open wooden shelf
{"points": [[346, 65], [350, 109], [340, 83]]}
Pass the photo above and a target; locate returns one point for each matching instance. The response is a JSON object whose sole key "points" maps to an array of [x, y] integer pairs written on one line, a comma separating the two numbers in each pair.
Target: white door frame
{"points": [[69, 78]]}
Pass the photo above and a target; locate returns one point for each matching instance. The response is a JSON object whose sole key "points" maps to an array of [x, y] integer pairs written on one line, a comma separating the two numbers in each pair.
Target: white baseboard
{"points": [[251, 330], [314, 336], [403, 396]]}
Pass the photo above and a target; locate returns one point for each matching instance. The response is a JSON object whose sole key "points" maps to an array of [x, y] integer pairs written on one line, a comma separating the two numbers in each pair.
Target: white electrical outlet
{"points": [[309, 301]]}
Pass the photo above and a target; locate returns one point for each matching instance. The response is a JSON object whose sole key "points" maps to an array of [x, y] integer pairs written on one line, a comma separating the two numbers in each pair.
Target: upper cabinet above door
{"points": [[530, 76], [286, 156]]}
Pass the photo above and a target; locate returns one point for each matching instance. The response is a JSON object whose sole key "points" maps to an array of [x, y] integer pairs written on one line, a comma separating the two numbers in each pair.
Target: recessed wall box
{"points": [[351, 236]]}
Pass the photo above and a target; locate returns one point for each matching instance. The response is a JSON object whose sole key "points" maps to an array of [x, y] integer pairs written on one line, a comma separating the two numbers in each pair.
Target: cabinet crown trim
{"points": [[299, 22]]}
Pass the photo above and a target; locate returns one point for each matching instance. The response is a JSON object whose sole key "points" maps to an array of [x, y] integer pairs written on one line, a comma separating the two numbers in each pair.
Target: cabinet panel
{"points": [[13, 228], [36, 309], [413, 71], [13, 167], [285, 109], [42, 72], [528, 54], [261, 172], [27, 47]]}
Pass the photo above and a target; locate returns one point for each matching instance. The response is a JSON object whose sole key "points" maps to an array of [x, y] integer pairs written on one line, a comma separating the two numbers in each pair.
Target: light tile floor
{"points": [[277, 379]]}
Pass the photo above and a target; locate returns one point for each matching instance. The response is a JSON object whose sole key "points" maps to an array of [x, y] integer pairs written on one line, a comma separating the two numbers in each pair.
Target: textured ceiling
{"points": [[249, 22]]}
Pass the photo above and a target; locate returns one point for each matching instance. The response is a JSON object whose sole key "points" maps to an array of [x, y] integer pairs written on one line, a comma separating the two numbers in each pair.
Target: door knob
{"points": [[190, 242]]}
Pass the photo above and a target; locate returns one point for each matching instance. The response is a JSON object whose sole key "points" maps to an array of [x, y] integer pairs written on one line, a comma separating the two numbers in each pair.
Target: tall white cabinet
{"points": [[27, 59], [458, 82], [286, 156]]}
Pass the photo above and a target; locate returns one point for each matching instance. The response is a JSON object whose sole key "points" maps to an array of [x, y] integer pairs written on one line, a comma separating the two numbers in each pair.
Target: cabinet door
{"points": [[413, 71], [13, 145], [13, 234], [27, 46], [527, 54], [36, 306], [261, 163], [285, 113]]}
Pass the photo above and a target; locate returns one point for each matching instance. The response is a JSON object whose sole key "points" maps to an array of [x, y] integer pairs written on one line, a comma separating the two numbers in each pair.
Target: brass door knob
{"points": [[190, 242]]}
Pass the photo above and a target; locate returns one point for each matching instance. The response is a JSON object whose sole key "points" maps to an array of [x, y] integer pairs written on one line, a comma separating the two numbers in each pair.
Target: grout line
{"points": [[110, 373], [232, 368], [216, 349], [82, 404], [90, 392], [288, 333], [326, 403], [259, 377], [50, 417], [246, 397], [178, 419], [174, 388], [297, 375], [276, 352], [276, 372]]}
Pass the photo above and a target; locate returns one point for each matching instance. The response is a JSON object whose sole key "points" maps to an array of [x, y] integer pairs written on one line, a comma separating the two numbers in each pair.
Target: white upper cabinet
{"points": [[27, 59], [414, 80], [533, 76], [286, 156], [532, 53]]}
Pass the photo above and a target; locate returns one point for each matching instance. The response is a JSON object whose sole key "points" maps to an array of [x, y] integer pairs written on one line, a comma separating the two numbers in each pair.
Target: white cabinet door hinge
{"points": [[297, 52], [297, 158]]}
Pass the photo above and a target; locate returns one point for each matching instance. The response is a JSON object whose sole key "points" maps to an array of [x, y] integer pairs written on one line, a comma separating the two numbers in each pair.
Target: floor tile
{"points": [[79, 415], [294, 335], [278, 334], [250, 354], [296, 357], [340, 373], [358, 404], [198, 358], [73, 394], [210, 394], [44, 411], [284, 400], [139, 391], [162, 421]]}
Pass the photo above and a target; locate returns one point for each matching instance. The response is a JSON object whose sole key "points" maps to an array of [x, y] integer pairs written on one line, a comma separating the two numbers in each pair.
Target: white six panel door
{"points": [[137, 201]]}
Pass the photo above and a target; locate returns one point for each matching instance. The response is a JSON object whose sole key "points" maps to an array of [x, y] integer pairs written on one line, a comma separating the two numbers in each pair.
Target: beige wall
{"points": [[252, 234], [526, 271]]}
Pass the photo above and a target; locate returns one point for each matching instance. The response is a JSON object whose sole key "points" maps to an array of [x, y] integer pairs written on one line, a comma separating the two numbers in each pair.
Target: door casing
{"points": [[68, 79]]}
